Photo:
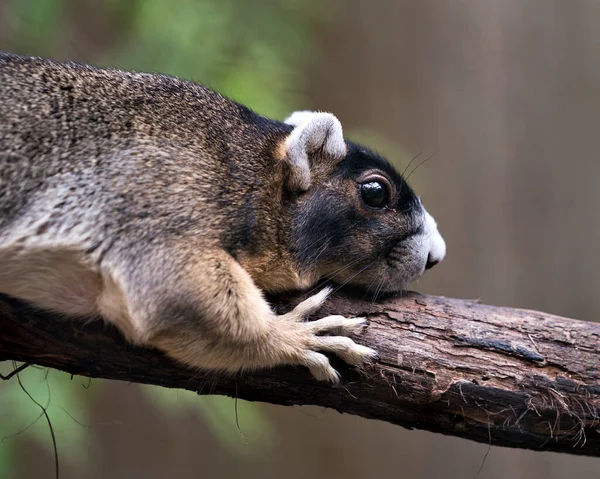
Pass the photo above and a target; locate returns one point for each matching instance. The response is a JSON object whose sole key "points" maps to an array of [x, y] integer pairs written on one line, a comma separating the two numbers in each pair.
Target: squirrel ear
{"points": [[299, 117], [313, 131]]}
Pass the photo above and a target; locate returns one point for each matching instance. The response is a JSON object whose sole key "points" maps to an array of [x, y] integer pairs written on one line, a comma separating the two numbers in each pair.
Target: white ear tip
{"points": [[334, 144], [312, 131], [299, 117], [318, 130]]}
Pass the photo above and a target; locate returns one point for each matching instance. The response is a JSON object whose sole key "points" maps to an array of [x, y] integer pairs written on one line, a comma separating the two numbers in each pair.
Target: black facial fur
{"points": [[361, 159], [335, 228]]}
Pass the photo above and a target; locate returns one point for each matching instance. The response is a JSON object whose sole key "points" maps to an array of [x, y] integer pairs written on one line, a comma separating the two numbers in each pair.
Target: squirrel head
{"points": [[355, 219]]}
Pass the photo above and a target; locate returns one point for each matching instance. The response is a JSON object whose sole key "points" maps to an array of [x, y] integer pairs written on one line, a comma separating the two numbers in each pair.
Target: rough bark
{"points": [[496, 375]]}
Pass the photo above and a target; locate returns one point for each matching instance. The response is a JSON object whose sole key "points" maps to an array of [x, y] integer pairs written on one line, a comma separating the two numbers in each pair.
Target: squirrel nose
{"points": [[431, 261], [437, 245]]}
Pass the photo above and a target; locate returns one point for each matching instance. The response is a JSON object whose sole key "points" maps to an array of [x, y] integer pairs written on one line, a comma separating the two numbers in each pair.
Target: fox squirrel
{"points": [[169, 210]]}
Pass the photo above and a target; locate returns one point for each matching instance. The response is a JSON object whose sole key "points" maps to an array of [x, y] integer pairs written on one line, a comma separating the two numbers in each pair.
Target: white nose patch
{"points": [[434, 240]]}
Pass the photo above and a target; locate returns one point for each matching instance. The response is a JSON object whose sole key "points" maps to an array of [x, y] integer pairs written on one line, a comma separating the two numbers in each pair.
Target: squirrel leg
{"points": [[210, 314]]}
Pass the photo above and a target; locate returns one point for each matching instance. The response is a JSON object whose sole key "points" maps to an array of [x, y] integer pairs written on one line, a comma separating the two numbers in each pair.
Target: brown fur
{"points": [[166, 209]]}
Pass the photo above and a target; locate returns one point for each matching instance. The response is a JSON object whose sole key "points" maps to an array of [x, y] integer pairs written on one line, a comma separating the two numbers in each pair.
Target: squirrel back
{"points": [[81, 136]]}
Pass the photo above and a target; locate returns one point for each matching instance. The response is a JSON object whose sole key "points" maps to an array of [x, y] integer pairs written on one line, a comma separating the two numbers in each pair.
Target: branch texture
{"points": [[506, 376]]}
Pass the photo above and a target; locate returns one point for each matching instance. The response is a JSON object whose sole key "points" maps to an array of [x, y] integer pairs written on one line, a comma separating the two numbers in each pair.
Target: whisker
{"points": [[333, 273], [320, 251], [379, 288], [323, 248], [370, 287], [352, 277], [413, 159], [419, 165], [343, 268]]}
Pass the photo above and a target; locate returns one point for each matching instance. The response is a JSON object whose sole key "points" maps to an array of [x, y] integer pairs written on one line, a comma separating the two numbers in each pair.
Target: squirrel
{"points": [[170, 211]]}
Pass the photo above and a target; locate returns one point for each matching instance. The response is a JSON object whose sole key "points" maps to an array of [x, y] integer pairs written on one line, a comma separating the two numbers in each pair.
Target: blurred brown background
{"points": [[506, 97]]}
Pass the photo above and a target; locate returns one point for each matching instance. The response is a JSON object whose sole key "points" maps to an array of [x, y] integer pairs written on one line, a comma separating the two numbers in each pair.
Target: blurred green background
{"points": [[504, 95], [212, 41]]}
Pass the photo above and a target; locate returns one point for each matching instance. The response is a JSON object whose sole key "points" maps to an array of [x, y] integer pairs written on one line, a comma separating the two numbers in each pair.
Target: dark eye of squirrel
{"points": [[375, 194]]}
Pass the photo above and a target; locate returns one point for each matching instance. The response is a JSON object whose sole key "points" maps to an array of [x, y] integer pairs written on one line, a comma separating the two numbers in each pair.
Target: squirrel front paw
{"points": [[311, 337]]}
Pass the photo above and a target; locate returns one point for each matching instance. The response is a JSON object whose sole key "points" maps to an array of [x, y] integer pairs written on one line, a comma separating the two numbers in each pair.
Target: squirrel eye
{"points": [[375, 194]]}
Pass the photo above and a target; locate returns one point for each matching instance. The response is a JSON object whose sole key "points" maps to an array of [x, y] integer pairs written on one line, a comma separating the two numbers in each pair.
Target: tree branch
{"points": [[516, 378]]}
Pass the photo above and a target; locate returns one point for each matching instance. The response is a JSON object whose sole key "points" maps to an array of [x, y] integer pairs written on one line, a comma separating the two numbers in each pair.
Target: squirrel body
{"points": [[168, 210]]}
